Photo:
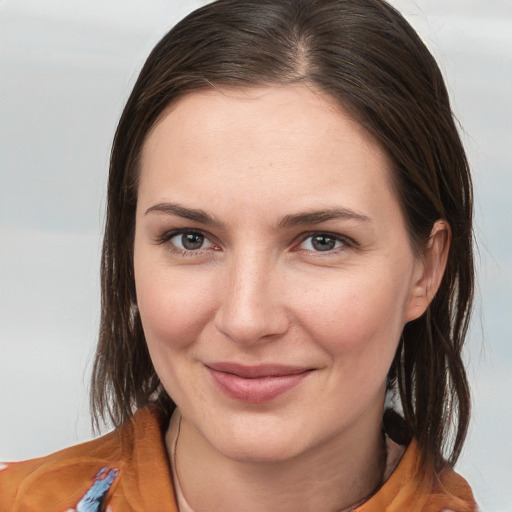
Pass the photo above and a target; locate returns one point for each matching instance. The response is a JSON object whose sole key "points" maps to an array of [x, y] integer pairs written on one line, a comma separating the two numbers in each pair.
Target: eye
{"points": [[189, 241], [323, 242]]}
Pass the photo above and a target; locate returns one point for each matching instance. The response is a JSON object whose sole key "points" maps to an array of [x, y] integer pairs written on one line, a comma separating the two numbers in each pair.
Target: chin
{"points": [[259, 450], [253, 438]]}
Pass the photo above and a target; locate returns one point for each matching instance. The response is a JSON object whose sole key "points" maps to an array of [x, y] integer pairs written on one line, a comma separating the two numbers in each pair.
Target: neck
{"points": [[333, 477]]}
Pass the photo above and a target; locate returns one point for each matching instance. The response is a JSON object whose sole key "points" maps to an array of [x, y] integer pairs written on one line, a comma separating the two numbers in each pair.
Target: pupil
{"points": [[323, 243], [192, 240]]}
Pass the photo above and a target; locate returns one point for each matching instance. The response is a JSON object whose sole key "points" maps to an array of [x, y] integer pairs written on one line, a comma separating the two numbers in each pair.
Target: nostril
{"points": [[251, 323], [251, 307]]}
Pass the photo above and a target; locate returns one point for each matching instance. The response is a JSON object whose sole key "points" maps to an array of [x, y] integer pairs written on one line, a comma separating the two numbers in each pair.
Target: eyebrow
{"points": [[179, 210], [296, 219], [318, 216]]}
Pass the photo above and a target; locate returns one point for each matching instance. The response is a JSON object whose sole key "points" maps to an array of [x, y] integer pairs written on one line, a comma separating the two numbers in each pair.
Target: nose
{"points": [[252, 307]]}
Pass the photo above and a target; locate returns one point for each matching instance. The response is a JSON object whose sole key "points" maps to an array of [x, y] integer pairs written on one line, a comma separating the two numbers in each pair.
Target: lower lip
{"points": [[255, 390]]}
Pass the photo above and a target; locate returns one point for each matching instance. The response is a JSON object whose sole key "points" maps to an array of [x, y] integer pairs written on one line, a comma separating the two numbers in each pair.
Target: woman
{"points": [[288, 240]]}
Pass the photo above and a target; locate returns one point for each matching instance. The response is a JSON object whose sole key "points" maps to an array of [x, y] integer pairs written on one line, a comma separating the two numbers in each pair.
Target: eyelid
{"points": [[166, 236], [345, 240]]}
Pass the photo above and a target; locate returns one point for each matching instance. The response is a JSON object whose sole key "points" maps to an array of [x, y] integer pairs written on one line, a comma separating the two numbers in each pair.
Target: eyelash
{"points": [[347, 243], [167, 236]]}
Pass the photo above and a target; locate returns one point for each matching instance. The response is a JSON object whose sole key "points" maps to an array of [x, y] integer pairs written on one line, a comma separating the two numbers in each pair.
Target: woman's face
{"points": [[273, 269]]}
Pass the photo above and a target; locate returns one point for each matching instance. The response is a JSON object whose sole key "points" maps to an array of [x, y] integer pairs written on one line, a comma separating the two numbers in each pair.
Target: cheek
{"points": [[356, 320], [173, 308]]}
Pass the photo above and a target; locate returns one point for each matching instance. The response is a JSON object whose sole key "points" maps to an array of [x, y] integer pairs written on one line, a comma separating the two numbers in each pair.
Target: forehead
{"points": [[289, 110], [221, 143]]}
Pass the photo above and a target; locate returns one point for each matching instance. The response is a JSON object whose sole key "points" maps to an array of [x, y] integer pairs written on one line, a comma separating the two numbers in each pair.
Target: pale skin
{"points": [[296, 253]]}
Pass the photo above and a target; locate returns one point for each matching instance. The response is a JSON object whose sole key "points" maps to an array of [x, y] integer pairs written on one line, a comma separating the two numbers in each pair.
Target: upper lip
{"points": [[257, 371]]}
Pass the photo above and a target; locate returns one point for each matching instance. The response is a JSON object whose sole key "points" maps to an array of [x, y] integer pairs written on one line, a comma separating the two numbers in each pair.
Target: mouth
{"points": [[256, 384]]}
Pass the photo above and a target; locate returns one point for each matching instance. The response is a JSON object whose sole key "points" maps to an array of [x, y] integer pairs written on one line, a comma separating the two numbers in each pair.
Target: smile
{"points": [[255, 384]]}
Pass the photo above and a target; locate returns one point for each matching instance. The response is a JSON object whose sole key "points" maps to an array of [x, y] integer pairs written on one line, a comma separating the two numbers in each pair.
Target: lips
{"points": [[255, 384]]}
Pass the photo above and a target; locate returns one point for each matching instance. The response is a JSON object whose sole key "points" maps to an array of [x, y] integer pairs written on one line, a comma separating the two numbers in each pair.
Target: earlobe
{"points": [[430, 272]]}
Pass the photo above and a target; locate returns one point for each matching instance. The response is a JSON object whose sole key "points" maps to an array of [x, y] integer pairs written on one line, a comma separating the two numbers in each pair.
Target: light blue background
{"points": [[66, 69]]}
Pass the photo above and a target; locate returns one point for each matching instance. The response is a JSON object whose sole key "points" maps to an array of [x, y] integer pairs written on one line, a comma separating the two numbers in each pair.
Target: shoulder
{"points": [[454, 492], [86, 473], [411, 488], [61, 478]]}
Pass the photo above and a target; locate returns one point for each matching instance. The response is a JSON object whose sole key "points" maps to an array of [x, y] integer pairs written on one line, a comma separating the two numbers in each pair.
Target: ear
{"points": [[430, 270]]}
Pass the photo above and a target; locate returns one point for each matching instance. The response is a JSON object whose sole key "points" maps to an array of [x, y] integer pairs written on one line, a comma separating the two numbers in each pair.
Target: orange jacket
{"points": [[128, 470]]}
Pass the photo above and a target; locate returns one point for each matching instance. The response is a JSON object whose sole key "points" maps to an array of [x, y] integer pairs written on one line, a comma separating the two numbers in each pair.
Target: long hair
{"points": [[366, 56]]}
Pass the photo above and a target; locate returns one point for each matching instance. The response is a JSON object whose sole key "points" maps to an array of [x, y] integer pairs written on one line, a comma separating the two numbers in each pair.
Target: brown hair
{"points": [[365, 55]]}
